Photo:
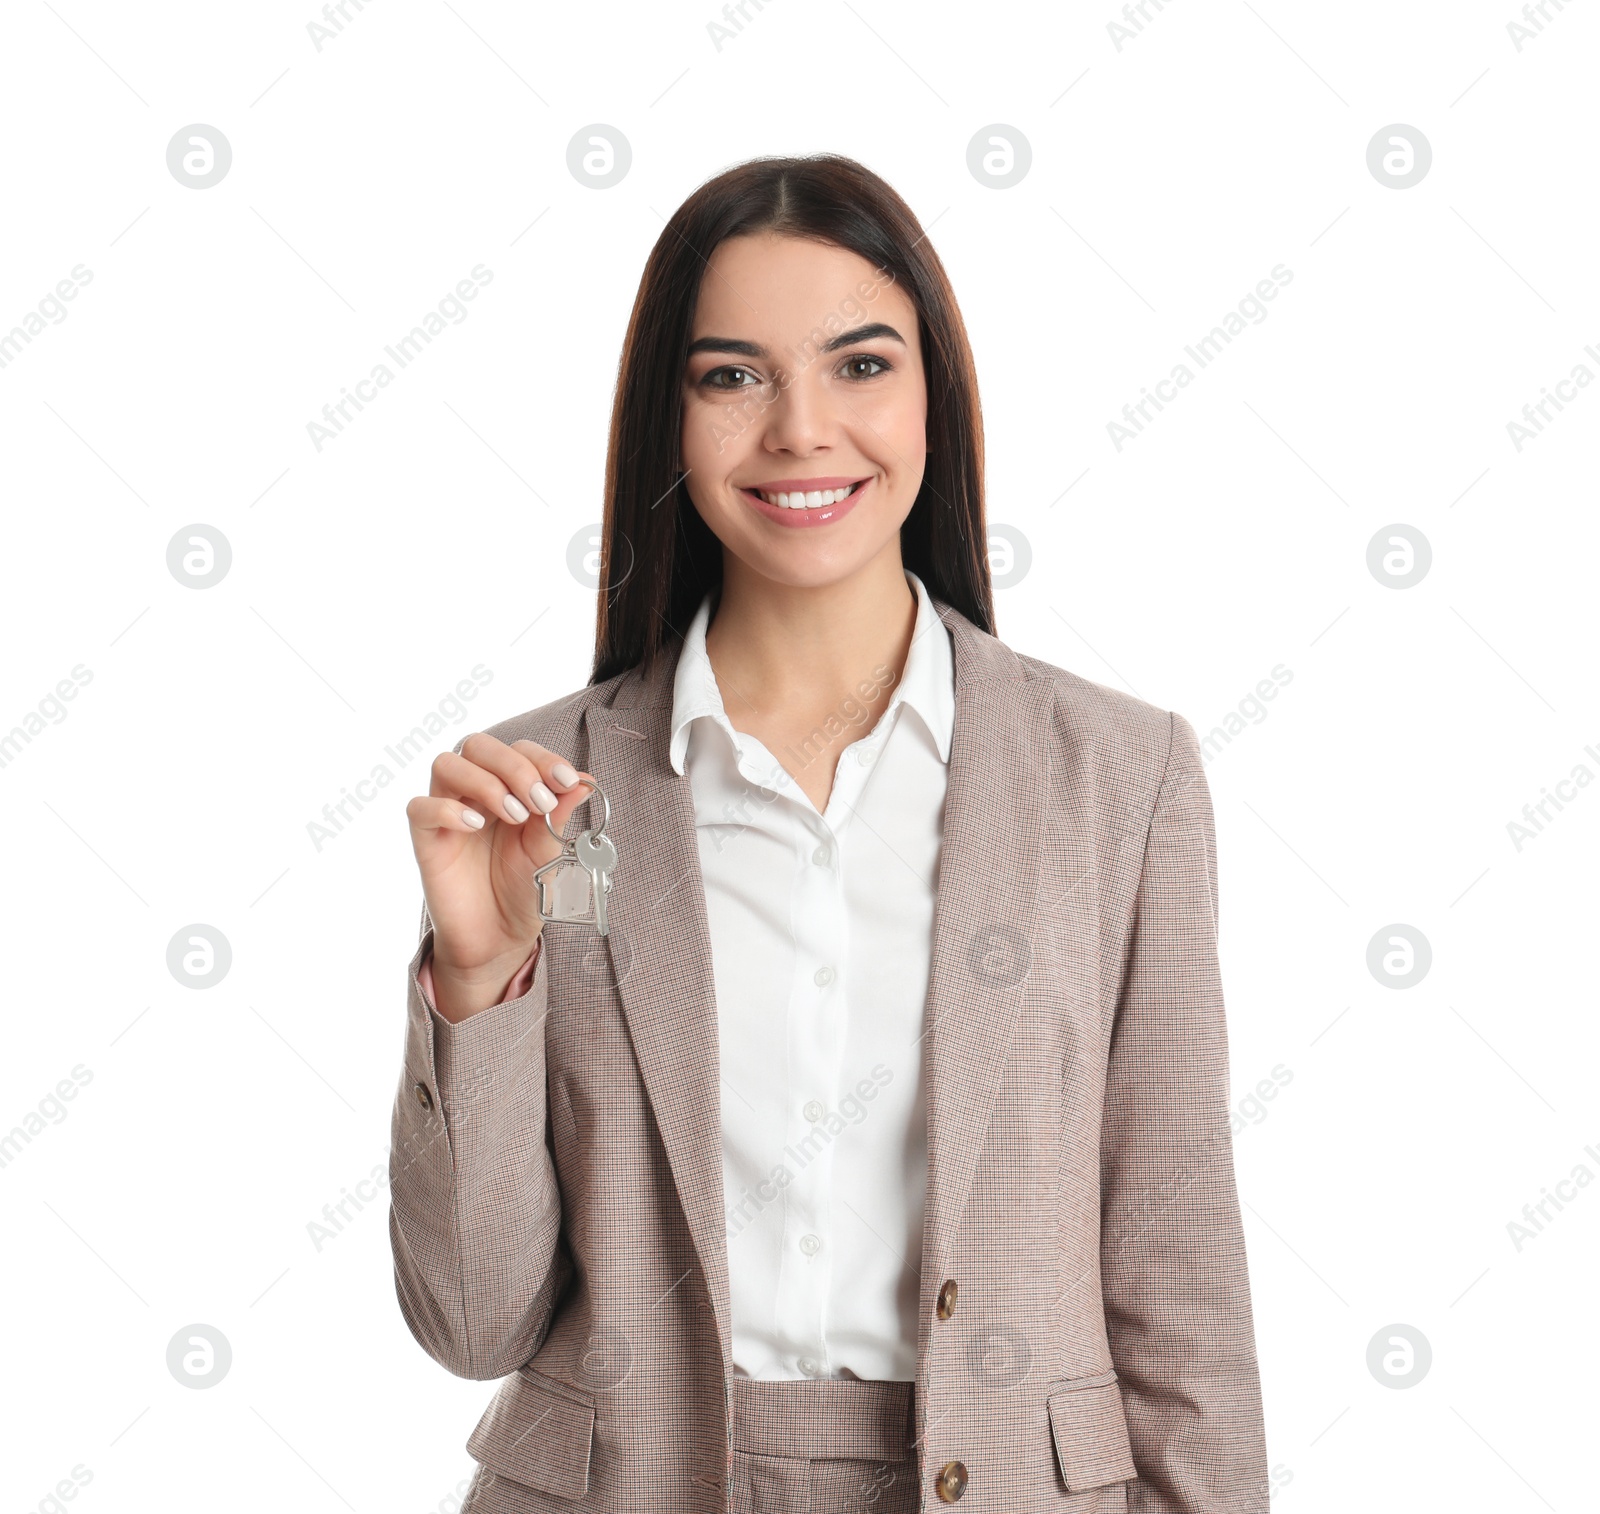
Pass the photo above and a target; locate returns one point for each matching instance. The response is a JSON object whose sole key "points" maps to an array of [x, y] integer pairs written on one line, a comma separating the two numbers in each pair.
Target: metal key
{"points": [[596, 853]]}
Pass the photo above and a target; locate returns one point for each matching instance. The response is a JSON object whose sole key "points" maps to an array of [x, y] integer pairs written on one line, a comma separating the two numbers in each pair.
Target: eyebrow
{"points": [[740, 348]]}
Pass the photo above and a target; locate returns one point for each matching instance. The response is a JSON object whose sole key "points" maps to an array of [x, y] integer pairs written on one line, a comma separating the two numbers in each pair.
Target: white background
{"points": [[369, 577]]}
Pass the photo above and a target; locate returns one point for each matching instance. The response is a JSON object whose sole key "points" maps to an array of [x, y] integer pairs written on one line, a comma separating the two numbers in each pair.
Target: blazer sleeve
{"points": [[1173, 1269], [474, 1206]]}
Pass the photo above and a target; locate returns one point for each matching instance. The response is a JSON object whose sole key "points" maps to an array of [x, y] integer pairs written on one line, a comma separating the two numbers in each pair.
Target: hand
{"points": [[478, 878]]}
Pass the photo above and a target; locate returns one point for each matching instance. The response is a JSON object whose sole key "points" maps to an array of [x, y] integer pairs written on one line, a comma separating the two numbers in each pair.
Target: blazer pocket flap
{"points": [[1091, 1435], [538, 1434]]}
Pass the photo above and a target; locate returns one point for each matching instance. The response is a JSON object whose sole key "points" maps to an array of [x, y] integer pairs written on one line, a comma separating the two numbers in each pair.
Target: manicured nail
{"points": [[565, 774], [512, 806], [473, 818], [543, 800]]}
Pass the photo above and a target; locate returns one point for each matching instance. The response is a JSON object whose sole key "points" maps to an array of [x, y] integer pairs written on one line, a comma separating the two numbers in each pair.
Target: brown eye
{"points": [[713, 379], [853, 365]]}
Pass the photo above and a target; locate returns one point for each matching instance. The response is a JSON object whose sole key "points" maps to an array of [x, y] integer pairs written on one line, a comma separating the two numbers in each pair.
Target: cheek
{"points": [[901, 412], [714, 434], [900, 419]]}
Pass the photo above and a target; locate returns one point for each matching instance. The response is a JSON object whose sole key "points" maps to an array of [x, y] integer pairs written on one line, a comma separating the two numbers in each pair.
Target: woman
{"points": [[878, 1156]]}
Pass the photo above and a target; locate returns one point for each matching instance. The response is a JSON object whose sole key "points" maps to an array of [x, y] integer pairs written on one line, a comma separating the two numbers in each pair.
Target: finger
{"points": [[456, 777], [429, 813], [558, 773]]}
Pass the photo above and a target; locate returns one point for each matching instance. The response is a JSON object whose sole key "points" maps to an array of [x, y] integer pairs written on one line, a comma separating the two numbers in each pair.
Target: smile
{"points": [[807, 501]]}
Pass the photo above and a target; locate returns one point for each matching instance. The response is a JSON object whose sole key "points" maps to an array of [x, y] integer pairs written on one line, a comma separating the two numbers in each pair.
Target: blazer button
{"points": [[947, 1298], [424, 1098], [951, 1482]]}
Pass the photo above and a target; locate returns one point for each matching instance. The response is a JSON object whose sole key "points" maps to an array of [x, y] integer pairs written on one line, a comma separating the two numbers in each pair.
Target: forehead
{"points": [[781, 286]]}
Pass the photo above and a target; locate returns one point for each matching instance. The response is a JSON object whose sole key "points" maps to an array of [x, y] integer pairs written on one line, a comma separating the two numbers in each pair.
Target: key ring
{"points": [[605, 813], [574, 883]]}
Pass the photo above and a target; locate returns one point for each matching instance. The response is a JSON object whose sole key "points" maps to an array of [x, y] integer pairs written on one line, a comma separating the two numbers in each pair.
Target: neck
{"points": [[781, 647]]}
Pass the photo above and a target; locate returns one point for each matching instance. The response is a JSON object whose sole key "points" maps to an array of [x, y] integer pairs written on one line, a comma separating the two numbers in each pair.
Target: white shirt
{"points": [[821, 931]]}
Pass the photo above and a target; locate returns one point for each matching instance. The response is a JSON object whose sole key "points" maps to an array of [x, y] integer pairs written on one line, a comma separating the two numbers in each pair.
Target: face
{"points": [[805, 409]]}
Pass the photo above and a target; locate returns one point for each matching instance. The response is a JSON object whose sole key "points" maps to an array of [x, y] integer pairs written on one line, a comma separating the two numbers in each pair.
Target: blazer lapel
{"points": [[984, 916], [659, 943]]}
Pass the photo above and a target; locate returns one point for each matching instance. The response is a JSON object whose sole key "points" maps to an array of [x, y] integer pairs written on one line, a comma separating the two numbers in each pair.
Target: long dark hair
{"points": [[658, 557]]}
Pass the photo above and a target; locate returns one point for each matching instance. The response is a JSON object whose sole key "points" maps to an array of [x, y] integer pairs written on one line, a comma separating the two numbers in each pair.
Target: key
{"points": [[596, 853]]}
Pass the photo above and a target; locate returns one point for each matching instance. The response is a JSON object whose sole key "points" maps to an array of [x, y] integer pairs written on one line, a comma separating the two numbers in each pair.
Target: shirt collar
{"points": [[926, 686]]}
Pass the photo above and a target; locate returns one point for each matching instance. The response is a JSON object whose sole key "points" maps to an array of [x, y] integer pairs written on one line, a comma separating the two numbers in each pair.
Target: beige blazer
{"points": [[1086, 1340]]}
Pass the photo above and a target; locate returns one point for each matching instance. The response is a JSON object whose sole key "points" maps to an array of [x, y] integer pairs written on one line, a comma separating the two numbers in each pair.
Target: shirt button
{"points": [[767, 793], [823, 976], [810, 1244], [865, 755], [809, 1366], [814, 1111], [820, 856]]}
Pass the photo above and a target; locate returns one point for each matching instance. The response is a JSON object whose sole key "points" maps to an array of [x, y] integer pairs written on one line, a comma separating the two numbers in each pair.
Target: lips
{"points": [[834, 499]]}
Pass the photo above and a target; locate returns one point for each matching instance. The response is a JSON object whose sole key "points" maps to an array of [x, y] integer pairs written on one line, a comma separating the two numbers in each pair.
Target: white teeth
{"points": [[809, 500]]}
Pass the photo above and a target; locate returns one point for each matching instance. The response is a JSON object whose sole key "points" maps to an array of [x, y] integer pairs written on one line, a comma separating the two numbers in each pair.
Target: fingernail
{"points": [[564, 773], [543, 800], [514, 808], [473, 818]]}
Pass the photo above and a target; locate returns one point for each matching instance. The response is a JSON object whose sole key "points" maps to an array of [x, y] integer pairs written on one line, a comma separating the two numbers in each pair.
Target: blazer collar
{"points": [[658, 950]]}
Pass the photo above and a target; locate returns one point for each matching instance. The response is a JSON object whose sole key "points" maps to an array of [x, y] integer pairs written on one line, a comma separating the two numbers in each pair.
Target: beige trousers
{"points": [[823, 1446]]}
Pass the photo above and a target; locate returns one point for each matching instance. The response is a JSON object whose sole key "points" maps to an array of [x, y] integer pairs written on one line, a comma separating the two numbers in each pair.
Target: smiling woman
{"points": [[879, 1153]]}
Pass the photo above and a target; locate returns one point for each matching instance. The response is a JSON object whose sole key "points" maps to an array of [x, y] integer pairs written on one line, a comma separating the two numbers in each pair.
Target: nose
{"points": [[802, 418]]}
